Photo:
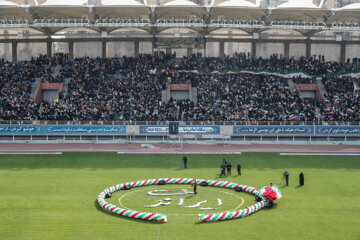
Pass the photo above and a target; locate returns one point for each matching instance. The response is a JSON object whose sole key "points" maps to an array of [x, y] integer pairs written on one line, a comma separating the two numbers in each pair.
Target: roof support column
{"points": [[343, 52], [189, 52], [48, 47], [253, 48], [103, 48], [71, 50], [287, 50], [222, 49], [14, 51], [137, 47], [308, 48]]}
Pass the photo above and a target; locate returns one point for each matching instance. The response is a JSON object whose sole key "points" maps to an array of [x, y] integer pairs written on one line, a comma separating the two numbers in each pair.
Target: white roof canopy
{"points": [[352, 6], [65, 3], [122, 3], [7, 3], [180, 3], [298, 4], [237, 3]]}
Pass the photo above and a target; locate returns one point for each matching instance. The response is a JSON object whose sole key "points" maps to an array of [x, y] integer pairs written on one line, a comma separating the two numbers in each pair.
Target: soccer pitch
{"points": [[54, 197]]}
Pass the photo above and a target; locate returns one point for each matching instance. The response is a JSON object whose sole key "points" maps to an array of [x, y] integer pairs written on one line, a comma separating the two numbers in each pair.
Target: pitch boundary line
{"points": [[30, 153], [134, 152], [175, 214], [320, 154]]}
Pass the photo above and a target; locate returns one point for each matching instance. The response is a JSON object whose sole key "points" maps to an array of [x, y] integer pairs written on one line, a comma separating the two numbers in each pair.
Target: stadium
{"points": [[179, 119]]}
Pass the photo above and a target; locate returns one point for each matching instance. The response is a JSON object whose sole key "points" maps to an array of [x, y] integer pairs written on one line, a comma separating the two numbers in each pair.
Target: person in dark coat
{"points": [[185, 161], [239, 168], [301, 179], [228, 168], [222, 173], [286, 175]]}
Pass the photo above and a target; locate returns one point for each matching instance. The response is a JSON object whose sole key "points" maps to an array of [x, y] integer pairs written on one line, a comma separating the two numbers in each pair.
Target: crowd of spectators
{"points": [[130, 89], [342, 100]]}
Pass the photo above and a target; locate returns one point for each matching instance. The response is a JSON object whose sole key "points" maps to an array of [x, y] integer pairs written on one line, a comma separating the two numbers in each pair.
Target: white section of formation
{"points": [[208, 208], [158, 204], [219, 202], [163, 193], [167, 199], [196, 205], [320, 154], [181, 201]]}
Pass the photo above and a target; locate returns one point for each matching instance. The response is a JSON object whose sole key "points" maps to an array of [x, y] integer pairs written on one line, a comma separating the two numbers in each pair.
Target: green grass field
{"points": [[54, 197]]}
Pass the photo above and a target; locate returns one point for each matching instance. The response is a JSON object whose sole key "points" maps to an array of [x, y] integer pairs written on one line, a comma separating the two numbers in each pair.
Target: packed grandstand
{"points": [[229, 89]]}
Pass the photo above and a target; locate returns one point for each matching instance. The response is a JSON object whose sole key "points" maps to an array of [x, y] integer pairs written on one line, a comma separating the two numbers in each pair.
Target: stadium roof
{"points": [[236, 3], [12, 10], [298, 4], [237, 12], [348, 13], [352, 6], [122, 3], [179, 9], [64, 3], [180, 3], [299, 11], [7, 3]]}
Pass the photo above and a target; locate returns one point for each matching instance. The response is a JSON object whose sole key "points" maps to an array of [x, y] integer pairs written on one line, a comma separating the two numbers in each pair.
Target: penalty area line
{"points": [[320, 154]]}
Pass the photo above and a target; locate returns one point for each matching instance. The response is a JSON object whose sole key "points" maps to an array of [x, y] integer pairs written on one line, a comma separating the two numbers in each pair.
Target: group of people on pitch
{"points": [[227, 165]]}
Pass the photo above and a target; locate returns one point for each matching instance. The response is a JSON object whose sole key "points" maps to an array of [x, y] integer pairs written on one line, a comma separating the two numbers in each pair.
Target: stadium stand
{"points": [[129, 89]]}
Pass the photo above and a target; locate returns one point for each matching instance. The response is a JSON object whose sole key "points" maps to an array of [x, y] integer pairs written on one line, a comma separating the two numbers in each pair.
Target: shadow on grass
{"points": [[299, 186], [97, 206]]}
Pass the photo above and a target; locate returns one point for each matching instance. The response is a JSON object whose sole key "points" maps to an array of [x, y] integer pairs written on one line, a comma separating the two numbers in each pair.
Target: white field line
{"points": [[320, 154], [134, 152], [30, 153]]}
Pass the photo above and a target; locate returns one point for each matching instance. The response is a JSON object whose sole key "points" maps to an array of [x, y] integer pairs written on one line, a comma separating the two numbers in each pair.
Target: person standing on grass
{"points": [[223, 166], [228, 168], [194, 185], [239, 168], [185, 161]]}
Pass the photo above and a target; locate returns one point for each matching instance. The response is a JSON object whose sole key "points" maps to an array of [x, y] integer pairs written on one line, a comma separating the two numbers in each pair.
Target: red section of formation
{"points": [[269, 193]]}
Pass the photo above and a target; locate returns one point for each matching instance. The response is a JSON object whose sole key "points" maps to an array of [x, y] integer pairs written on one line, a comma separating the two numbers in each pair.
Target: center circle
{"points": [[229, 200]]}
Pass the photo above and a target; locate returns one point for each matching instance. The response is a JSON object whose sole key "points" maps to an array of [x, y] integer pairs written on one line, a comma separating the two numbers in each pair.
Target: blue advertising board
{"points": [[273, 130], [182, 130], [62, 129], [338, 130], [297, 130]]}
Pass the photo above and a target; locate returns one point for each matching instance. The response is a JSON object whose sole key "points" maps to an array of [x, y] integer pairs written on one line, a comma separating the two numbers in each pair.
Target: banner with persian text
{"points": [[62, 129], [160, 130]]}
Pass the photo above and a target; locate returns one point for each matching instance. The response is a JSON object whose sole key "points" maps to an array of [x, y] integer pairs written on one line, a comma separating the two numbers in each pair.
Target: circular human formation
{"points": [[265, 196]]}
